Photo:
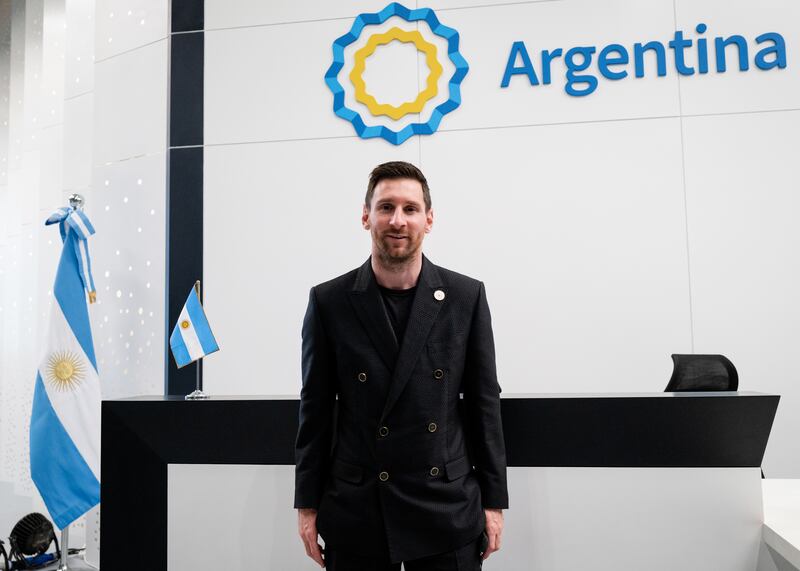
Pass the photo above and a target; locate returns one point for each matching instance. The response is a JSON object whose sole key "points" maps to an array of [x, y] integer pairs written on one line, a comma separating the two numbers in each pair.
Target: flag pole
{"points": [[197, 393], [62, 566], [76, 201]]}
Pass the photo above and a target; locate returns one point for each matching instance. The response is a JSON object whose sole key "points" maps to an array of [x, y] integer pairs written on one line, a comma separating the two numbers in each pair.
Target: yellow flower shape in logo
{"points": [[64, 370], [430, 91]]}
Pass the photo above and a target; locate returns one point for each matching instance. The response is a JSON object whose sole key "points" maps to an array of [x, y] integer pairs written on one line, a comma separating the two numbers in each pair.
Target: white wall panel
{"points": [[734, 91], [18, 358], [51, 85], [51, 177], [241, 13], [5, 73], [28, 179], [444, 6], [131, 99], [585, 264], [487, 35], [266, 245], [127, 206], [277, 91], [79, 50], [578, 232], [78, 118], [743, 204], [30, 71], [122, 26]]}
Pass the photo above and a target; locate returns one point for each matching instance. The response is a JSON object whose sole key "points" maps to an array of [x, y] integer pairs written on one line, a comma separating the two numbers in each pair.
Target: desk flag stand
{"points": [[192, 339], [197, 393]]}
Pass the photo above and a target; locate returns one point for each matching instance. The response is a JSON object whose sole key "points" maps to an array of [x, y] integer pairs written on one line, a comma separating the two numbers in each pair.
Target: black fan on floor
{"points": [[29, 541]]}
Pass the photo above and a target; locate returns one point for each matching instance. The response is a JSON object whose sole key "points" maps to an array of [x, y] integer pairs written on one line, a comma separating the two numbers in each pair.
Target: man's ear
{"points": [[429, 220], [365, 217]]}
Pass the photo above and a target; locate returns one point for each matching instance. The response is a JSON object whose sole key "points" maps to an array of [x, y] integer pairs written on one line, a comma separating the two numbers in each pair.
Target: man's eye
{"points": [[411, 209], [386, 206]]}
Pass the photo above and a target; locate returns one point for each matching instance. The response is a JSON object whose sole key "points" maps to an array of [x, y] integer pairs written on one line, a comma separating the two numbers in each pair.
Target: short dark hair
{"points": [[394, 170]]}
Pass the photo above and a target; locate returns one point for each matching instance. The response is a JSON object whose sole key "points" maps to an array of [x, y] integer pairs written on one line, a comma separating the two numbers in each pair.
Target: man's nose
{"points": [[398, 218]]}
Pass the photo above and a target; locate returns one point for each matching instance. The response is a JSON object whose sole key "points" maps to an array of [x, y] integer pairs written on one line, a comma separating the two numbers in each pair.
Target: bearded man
{"points": [[392, 464]]}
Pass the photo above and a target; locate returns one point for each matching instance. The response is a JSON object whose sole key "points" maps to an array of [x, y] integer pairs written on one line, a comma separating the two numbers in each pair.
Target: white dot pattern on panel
{"points": [[129, 246]]}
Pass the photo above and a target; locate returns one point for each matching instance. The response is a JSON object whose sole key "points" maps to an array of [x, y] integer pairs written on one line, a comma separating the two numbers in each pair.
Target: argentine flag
{"points": [[192, 338], [65, 420]]}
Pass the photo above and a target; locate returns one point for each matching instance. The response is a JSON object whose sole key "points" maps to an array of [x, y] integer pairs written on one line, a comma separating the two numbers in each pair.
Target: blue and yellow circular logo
{"points": [[396, 121]]}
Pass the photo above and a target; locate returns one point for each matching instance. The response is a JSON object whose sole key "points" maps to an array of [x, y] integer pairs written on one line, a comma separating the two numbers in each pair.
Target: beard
{"points": [[394, 257]]}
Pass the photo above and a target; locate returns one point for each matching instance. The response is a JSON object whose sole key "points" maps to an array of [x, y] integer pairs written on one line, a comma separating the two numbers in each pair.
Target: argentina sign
{"points": [[399, 72]]}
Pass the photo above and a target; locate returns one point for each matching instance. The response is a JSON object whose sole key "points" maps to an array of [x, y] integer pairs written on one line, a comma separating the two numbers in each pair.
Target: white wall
{"points": [[651, 217]]}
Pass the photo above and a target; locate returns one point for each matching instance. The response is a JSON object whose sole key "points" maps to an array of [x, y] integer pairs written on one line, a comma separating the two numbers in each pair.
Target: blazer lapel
{"points": [[424, 310], [366, 300]]}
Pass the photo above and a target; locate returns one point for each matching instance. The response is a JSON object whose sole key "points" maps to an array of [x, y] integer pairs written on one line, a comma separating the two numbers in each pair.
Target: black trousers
{"points": [[466, 558]]}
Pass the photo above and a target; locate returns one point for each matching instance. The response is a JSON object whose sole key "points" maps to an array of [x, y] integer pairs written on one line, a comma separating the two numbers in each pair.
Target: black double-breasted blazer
{"points": [[386, 449]]}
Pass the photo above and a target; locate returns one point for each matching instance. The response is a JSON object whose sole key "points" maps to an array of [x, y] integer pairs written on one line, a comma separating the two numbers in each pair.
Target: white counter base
{"points": [[561, 519], [782, 519]]}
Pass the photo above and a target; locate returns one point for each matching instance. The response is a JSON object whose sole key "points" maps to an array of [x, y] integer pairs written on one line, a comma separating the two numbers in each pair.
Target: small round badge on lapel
{"points": [[438, 295]]}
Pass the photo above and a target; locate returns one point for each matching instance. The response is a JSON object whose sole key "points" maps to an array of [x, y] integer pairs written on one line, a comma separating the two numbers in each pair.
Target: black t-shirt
{"points": [[398, 306]]}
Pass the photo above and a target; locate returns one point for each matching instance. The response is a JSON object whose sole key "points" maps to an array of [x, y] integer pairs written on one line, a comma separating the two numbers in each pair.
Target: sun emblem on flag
{"points": [[64, 370]]}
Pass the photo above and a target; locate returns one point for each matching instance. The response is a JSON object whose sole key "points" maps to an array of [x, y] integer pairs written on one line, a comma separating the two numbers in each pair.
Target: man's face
{"points": [[397, 220]]}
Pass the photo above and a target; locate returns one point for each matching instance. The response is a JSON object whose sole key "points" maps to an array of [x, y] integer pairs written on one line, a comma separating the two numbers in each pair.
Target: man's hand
{"points": [[307, 528], [494, 529]]}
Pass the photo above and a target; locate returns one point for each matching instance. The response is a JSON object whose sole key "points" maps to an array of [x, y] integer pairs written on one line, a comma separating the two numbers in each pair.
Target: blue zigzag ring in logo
{"points": [[426, 128]]}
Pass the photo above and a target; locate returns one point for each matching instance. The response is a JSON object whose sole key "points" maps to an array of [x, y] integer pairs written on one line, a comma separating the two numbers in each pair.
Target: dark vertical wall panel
{"points": [[185, 194], [188, 15], [186, 90], [185, 249]]}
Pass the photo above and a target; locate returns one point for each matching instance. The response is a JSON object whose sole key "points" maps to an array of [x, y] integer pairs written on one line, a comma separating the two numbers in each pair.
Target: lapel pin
{"points": [[438, 295]]}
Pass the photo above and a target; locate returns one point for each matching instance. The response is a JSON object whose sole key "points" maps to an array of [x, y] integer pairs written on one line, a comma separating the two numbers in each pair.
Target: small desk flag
{"points": [[192, 338], [65, 420]]}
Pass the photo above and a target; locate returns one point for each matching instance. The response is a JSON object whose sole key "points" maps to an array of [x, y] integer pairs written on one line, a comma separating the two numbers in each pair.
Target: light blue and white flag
{"points": [[192, 338], [65, 420]]}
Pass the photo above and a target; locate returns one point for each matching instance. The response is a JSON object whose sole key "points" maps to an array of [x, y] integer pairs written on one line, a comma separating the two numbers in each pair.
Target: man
{"points": [[402, 471]]}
